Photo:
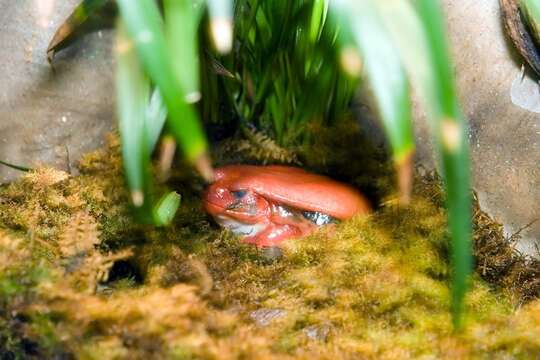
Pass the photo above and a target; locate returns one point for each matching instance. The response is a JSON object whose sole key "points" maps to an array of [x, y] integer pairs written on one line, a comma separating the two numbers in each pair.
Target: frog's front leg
{"points": [[273, 235]]}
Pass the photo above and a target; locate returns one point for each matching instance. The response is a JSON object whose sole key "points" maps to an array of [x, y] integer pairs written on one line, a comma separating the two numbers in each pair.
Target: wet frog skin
{"points": [[269, 204]]}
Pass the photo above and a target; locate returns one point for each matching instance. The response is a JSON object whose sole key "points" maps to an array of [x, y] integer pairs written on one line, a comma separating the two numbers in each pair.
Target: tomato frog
{"points": [[269, 204]]}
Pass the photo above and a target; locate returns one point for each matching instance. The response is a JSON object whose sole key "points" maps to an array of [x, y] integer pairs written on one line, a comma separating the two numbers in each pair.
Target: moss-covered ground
{"points": [[80, 279]]}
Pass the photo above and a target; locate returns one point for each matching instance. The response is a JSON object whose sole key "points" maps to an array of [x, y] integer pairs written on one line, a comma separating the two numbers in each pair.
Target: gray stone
{"points": [[263, 317], [502, 110], [51, 117], [317, 332]]}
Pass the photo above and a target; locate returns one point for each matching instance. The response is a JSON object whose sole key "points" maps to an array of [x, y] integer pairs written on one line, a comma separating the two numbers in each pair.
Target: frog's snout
{"points": [[216, 199]]}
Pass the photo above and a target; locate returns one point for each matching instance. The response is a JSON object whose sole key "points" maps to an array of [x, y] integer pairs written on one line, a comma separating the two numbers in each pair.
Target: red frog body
{"points": [[269, 204]]}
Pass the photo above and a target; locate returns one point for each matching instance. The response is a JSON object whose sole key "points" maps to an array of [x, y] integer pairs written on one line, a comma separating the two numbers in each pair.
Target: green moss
{"points": [[377, 285]]}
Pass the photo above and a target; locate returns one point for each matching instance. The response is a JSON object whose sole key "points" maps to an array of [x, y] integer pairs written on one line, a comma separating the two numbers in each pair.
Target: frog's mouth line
{"points": [[235, 209], [213, 208], [238, 227]]}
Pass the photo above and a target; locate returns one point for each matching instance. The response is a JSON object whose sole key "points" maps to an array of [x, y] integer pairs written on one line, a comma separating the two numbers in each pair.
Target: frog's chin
{"points": [[238, 227]]}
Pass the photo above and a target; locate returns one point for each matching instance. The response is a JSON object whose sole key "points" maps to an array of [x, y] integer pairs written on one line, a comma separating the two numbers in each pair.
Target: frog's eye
{"points": [[238, 194]]}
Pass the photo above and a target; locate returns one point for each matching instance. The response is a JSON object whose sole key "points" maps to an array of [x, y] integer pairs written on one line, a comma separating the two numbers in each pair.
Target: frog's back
{"points": [[297, 188]]}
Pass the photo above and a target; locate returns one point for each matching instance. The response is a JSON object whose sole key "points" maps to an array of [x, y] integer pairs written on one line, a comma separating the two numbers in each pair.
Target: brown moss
{"points": [[254, 147], [496, 258]]}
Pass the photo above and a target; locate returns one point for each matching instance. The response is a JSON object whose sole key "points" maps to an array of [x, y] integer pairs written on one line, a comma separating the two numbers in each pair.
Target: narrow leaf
{"points": [[387, 78], [133, 89], [144, 26], [14, 166], [450, 131], [156, 114], [182, 19], [166, 208], [318, 19], [221, 24]]}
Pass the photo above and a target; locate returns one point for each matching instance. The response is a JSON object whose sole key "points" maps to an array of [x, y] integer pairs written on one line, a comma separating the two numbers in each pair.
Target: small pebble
{"points": [[317, 332], [263, 317], [271, 254]]}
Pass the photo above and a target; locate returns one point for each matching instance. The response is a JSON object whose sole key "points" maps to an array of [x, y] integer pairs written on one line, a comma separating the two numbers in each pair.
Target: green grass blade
{"points": [[349, 57], [221, 24], [407, 33], [165, 209], [144, 26], [450, 131], [133, 90], [318, 19], [182, 19], [387, 78], [141, 121], [14, 166], [420, 39], [156, 115]]}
